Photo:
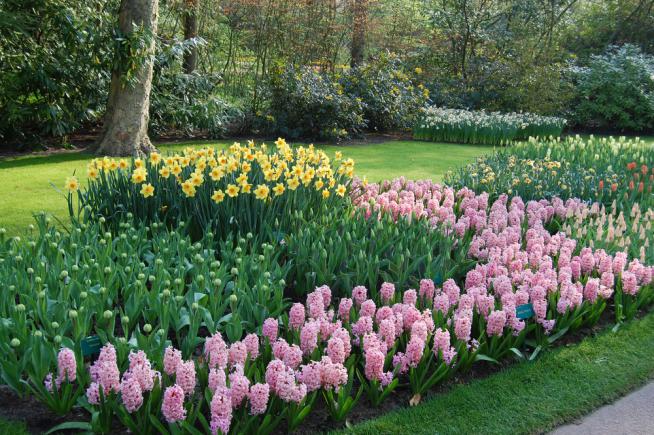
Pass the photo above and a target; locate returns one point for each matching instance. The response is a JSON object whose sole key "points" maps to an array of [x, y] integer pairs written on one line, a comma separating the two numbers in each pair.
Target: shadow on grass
{"points": [[33, 160]]}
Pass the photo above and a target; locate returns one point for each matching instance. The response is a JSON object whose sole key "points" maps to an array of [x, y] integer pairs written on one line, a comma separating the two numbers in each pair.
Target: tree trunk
{"points": [[128, 108], [359, 18], [191, 31]]}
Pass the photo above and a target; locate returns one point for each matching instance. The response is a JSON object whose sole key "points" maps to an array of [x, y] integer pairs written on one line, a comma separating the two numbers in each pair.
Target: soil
{"points": [[39, 418]]}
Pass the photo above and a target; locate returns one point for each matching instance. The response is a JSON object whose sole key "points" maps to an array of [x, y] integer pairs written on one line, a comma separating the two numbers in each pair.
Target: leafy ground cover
{"points": [[26, 180]]}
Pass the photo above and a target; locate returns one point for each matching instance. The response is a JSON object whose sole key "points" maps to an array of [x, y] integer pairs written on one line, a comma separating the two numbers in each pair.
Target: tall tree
{"points": [[190, 32], [359, 22], [128, 108]]}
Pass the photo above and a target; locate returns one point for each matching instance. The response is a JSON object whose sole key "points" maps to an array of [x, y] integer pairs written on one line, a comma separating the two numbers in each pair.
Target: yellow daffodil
{"points": [[232, 190], [72, 184], [216, 174], [176, 170], [197, 179], [122, 164], [261, 192], [246, 188], [242, 179], [164, 172], [138, 163], [147, 190], [293, 183], [319, 184], [139, 175], [340, 190], [188, 188], [218, 196], [325, 194], [92, 172], [155, 158], [278, 189]]}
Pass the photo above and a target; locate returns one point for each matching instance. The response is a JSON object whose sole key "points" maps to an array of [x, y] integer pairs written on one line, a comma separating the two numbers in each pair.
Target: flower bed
{"points": [[479, 127], [399, 285]]}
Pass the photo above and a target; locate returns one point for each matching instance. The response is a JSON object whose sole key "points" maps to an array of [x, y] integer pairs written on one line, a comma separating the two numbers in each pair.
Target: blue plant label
{"points": [[524, 311], [438, 279], [91, 345]]}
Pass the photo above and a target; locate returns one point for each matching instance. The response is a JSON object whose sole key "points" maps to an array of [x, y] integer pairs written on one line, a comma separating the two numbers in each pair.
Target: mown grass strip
{"points": [[564, 384]]}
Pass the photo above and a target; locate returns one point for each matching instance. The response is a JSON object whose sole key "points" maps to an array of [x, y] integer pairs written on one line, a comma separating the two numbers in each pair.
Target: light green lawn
{"points": [[25, 182]]}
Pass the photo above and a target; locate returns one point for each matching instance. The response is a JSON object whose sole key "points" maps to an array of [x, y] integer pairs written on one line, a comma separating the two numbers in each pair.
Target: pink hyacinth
{"points": [[326, 293], [238, 353], [311, 375], [270, 329], [344, 308], [463, 325], [258, 396], [172, 406], [309, 337], [414, 351], [217, 378], [239, 386], [47, 382], [251, 342], [374, 364], [215, 349], [273, 370], [131, 394], [67, 366], [368, 308], [221, 411], [185, 376], [334, 375], [452, 291], [296, 316], [359, 294], [629, 283], [496, 323], [441, 340], [362, 326], [172, 358], [410, 297], [442, 303], [427, 289], [287, 389], [336, 350], [387, 291], [293, 356], [105, 371], [93, 393], [316, 305]]}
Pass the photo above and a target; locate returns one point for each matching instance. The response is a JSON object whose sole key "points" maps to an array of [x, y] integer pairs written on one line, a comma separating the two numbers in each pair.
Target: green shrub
{"points": [[392, 97], [307, 103], [616, 90], [188, 104]]}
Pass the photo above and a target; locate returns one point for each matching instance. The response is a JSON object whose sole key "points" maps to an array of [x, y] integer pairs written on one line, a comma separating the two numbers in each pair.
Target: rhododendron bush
{"points": [[402, 286]]}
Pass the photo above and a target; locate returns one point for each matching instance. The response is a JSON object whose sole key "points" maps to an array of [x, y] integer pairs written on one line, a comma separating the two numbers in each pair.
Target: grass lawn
{"points": [[535, 397], [27, 180]]}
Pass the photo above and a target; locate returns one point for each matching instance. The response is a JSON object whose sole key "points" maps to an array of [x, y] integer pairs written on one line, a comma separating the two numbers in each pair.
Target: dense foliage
{"points": [[305, 102], [616, 91], [392, 97], [573, 59]]}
